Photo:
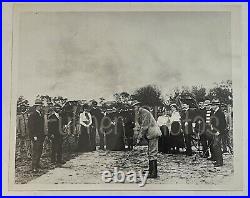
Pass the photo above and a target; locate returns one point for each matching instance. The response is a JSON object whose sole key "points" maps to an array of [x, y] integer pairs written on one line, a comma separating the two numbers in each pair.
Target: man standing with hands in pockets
{"points": [[146, 127]]}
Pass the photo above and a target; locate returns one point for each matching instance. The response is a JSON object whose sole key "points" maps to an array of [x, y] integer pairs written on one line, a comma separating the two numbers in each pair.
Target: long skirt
{"points": [[84, 140], [177, 138], [164, 142]]}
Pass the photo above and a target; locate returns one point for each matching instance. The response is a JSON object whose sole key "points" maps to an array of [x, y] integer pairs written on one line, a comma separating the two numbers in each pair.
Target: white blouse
{"points": [[175, 117], [85, 119]]}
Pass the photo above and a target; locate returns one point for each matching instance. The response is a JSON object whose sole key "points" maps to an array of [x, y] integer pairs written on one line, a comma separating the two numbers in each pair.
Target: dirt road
{"points": [[173, 168]]}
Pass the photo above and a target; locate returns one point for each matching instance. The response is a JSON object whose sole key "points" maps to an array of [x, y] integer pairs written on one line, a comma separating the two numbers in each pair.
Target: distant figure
{"points": [[84, 143], [37, 134]]}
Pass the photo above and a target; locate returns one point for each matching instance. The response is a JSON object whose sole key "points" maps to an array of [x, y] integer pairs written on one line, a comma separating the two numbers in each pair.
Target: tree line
{"points": [[152, 95]]}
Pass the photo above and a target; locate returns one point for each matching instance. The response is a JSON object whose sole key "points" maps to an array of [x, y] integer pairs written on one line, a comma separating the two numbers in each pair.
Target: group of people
{"points": [[207, 128], [114, 128], [171, 131]]}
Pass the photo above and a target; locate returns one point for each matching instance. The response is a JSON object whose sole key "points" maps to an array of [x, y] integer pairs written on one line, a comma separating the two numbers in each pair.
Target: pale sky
{"points": [[89, 55]]}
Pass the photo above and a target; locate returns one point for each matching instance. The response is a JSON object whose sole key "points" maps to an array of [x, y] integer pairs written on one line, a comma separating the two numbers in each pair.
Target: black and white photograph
{"points": [[137, 97]]}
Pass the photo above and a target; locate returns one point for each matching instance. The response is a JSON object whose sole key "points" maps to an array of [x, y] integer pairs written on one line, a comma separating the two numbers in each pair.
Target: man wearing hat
{"points": [[55, 134], [218, 126], [37, 135], [148, 129], [23, 140]]}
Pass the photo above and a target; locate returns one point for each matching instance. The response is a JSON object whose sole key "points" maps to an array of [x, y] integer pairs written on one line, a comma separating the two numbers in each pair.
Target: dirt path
{"points": [[88, 167]]}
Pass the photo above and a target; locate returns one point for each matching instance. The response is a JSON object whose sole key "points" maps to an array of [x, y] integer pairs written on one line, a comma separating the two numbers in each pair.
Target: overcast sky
{"points": [[89, 55]]}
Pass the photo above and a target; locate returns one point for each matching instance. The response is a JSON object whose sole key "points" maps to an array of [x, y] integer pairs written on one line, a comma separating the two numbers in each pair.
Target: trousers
{"points": [[37, 152], [152, 149]]}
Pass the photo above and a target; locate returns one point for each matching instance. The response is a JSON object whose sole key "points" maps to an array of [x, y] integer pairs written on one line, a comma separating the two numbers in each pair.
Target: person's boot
{"points": [[150, 167], [153, 169]]}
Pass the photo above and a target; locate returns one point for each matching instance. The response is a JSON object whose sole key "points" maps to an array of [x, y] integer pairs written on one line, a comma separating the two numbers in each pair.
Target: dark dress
{"points": [[84, 143], [119, 132], [177, 138], [129, 124]]}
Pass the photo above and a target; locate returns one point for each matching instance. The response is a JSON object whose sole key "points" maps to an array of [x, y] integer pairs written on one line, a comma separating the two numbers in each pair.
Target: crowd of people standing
{"points": [[173, 130]]}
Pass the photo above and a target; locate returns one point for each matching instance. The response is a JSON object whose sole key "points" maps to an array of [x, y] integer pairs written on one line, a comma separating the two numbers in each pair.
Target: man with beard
{"points": [[148, 129]]}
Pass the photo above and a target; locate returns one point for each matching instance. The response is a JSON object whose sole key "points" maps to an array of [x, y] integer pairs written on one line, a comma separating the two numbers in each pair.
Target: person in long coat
{"points": [[37, 134], [84, 142], [97, 116], [218, 126], [55, 133], [119, 132]]}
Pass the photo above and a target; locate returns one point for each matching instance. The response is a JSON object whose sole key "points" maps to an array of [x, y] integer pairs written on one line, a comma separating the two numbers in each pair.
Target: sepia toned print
{"points": [[132, 99]]}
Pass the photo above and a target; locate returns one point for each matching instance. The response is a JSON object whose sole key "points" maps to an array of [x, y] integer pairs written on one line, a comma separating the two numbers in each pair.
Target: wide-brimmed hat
{"points": [[215, 102], [38, 102], [135, 103]]}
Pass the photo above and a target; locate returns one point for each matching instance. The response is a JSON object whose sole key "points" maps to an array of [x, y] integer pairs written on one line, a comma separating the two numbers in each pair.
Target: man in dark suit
{"points": [[55, 134], [218, 126], [187, 117], [97, 117], [37, 135], [200, 127]]}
